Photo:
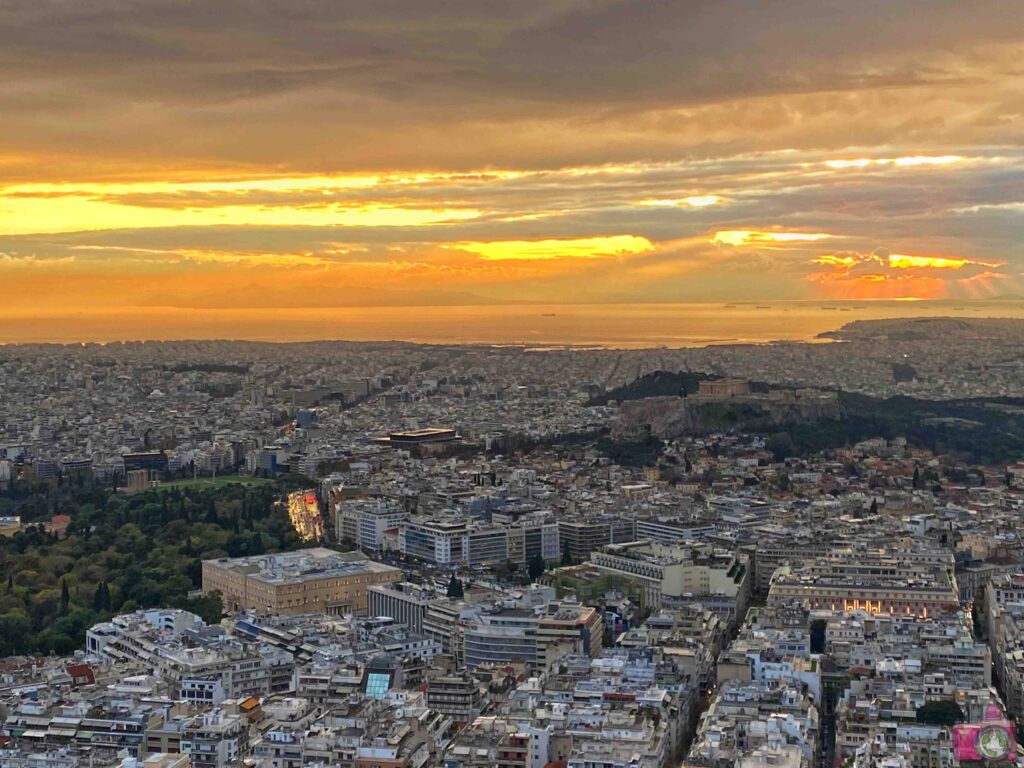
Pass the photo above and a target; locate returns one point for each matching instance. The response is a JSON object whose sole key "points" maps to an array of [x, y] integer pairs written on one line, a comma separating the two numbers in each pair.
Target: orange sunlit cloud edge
{"points": [[493, 235], [883, 275]]}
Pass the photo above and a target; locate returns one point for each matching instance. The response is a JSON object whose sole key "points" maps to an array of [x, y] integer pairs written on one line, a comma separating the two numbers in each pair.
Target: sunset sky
{"points": [[321, 153]]}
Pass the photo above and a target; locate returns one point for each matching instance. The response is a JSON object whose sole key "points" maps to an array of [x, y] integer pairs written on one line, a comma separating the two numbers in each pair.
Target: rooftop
{"points": [[301, 565]]}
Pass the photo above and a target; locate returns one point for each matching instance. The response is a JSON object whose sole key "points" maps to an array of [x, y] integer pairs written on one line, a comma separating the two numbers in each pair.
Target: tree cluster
{"points": [[121, 553]]}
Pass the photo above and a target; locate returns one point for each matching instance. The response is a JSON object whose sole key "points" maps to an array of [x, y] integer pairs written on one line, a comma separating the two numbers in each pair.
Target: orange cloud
{"points": [[543, 250], [834, 260], [74, 213], [903, 261], [884, 275]]}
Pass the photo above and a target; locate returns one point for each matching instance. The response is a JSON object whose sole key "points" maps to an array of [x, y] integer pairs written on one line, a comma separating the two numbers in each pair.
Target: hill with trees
{"points": [[989, 432], [656, 384]]}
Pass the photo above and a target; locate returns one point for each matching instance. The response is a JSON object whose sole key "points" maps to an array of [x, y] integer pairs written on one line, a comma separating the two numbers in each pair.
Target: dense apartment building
{"points": [[369, 524], [532, 536], [1004, 601], [440, 541], [876, 581], [678, 574], [671, 530], [771, 554], [583, 536], [455, 696], [534, 636], [404, 602], [456, 540], [213, 740]]}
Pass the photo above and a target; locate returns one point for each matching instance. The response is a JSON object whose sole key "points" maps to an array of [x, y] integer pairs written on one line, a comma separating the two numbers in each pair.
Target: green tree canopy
{"points": [[566, 554], [122, 553], [455, 589], [945, 713], [537, 566]]}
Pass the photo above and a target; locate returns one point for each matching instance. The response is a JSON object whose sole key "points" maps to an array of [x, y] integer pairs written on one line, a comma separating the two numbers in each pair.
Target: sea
{"points": [[624, 326]]}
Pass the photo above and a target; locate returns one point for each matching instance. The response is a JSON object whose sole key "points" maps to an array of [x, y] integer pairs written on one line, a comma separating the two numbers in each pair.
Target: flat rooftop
{"points": [[425, 435], [302, 565]]}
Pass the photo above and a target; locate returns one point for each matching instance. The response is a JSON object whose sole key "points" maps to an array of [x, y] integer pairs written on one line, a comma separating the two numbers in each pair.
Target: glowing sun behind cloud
{"points": [[752, 237], [884, 275], [694, 201]]}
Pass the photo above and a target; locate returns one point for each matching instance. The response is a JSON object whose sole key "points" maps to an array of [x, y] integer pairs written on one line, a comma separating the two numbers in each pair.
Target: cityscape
{"points": [[367, 554], [511, 384]]}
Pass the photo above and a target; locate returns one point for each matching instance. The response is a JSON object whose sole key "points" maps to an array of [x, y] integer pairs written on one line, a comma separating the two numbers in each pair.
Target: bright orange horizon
{"points": [[400, 154]]}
